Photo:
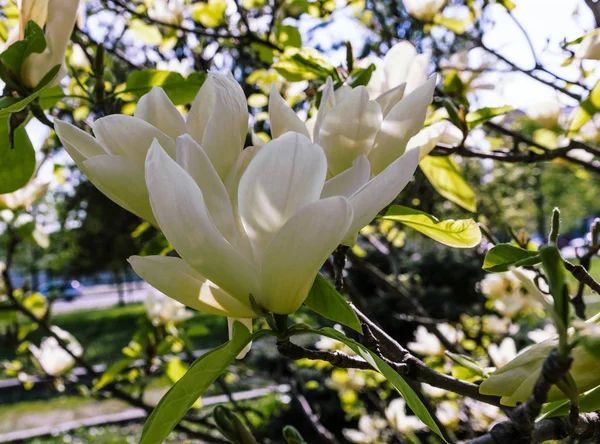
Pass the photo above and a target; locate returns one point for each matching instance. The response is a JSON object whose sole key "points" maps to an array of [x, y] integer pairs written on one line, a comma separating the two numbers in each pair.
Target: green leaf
{"points": [[17, 164], [588, 402], [288, 36], [462, 233], [508, 4], [482, 115], [210, 14], [176, 369], [112, 372], [325, 300], [202, 373], [445, 176], [33, 41], [23, 103], [304, 64], [148, 34], [361, 76], [179, 89], [556, 273], [455, 25], [394, 378], [503, 256], [587, 109], [51, 96]]}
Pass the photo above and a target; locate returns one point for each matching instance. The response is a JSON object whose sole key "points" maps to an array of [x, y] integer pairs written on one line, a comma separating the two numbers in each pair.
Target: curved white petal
{"points": [[418, 72], [288, 173], [397, 63], [402, 123], [248, 324], [426, 140], [194, 160], [122, 181], [181, 213], [79, 144], [350, 181], [283, 119], [327, 102], [226, 130], [380, 191], [297, 252], [349, 129], [130, 136], [201, 109], [157, 109], [388, 99], [176, 279]]}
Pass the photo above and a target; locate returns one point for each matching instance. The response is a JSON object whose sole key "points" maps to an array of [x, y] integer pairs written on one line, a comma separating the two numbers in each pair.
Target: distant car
{"points": [[67, 291]]}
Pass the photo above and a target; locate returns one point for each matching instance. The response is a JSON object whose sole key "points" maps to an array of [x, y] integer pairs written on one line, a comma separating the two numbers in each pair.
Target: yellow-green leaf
{"points": [[462, 233], [211, 14], [587, 109], [445, 176], [482, 115], [304, 64], [148, 34]]}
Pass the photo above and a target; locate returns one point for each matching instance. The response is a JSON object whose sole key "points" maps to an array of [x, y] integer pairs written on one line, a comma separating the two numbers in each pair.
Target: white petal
{"points": [[327, 102], [122, 181], [427, 138], [201, 109], [157, 109], [79, 144], [179, 208], [282, 117], [342, 92], [173, 277], [312, 235], [288, 173], [349, 129], [226, 130], [248, 324], [418, 73], [388, 99], [348, 182], [403, 122], [194, 160], [397, 63], [380, 191], [130, 136]]}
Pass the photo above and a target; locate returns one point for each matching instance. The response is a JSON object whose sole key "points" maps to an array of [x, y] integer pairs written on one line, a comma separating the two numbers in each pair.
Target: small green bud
{"points": [[292, 436], [555, 227]]}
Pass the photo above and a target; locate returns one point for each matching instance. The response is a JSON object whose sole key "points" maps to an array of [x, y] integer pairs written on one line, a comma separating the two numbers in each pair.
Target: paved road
{"points": [[100, 296]]}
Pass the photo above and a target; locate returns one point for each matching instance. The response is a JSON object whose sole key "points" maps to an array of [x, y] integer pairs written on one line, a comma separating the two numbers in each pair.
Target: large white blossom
{"points": [[51, 357], [423, 9], [162, 310]]}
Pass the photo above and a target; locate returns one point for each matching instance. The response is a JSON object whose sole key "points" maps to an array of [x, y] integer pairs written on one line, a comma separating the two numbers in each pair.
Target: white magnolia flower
{"points": [[428, 344], [504, 353], [361, 137], [423, 9], [162, 310], [508, 296], [589, 48], [399, 420], [541, 334], [448, 413], [283, 205], [368, 430], [114, 160], [400, 65], [51, 357], [59, 18], [167, 11], [23, 197]]}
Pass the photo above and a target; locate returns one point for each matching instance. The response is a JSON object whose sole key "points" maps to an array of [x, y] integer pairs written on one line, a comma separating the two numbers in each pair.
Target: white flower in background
{"points": [[280, 210], [423, 9], [433, 392], [400, 65], [114, 160], [546, 112], [541, 334], [399, 420], [428, 344], [483, 415], [51, 357], [58, 16], [183, 66], [167, 11], [368, 430], [448, 413], [468, 66], [589, 48], [361, 137], [23, 197], [162, 310], [507, 294], [504, 353]]}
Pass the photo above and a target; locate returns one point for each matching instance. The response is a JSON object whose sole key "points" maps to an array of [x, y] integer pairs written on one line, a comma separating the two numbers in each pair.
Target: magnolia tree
{"points": [[258, 165]]}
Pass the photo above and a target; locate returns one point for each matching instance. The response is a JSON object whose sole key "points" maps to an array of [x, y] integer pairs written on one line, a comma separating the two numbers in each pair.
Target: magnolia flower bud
{"points": [[51, 357], [423, 9], [59, 17], [162, 310]]}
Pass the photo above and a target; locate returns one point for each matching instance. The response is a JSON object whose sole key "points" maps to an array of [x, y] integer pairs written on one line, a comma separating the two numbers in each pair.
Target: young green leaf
{"points": [[476, 118], [202, 373], [411, 398], [503, 256], [587, 109], [325, 300], [33, 41], [17, 164], [445, 176], [297, 64], [557, 279], [112, 372], [21, 104], [462, 233], [179, 89], [588, 402]]}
